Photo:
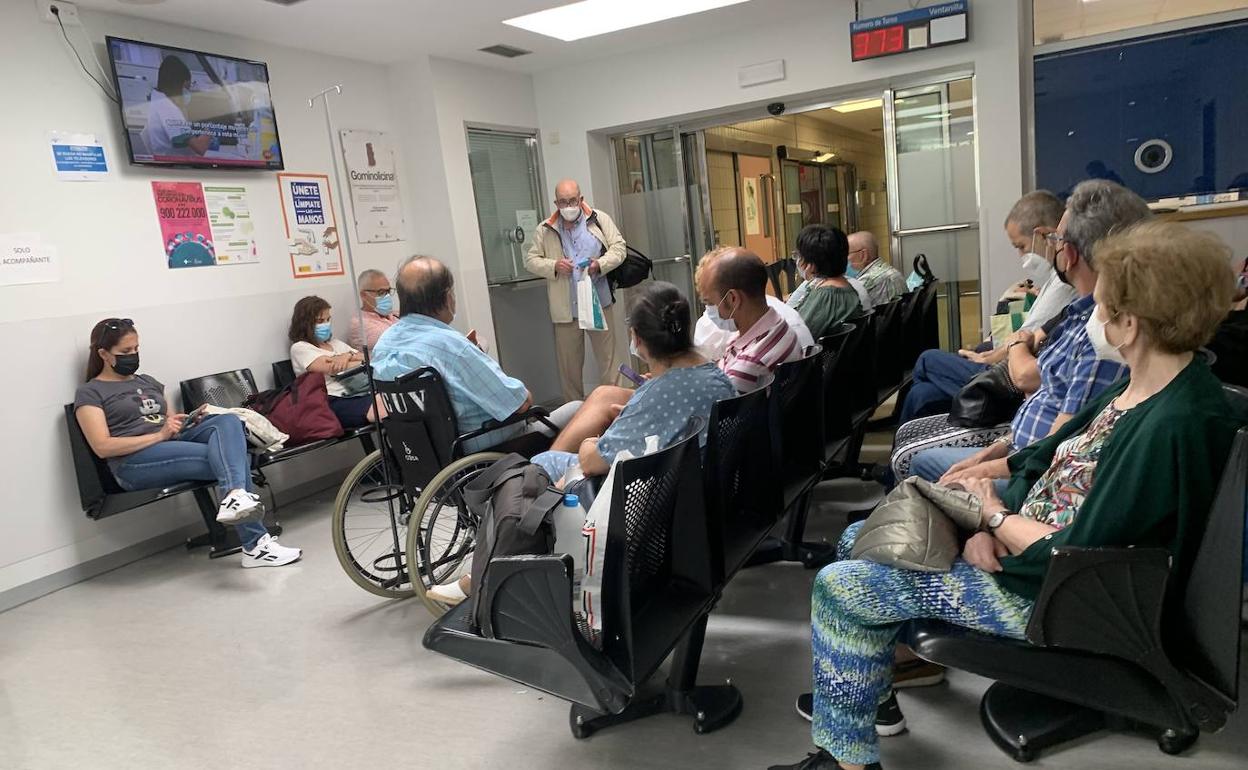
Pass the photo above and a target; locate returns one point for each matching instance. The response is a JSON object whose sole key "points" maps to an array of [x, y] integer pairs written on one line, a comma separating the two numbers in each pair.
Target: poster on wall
{"points": [[25, 258], [311, 229], [78, 157], [374, 185], [750, 204], [233, 231], [184, 226]]}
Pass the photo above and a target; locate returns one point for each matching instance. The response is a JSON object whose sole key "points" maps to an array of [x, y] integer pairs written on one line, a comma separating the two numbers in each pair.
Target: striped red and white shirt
{"points": [[759, 350]]}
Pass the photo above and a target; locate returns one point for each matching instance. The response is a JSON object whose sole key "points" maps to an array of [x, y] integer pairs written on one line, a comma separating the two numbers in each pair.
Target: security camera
{"points": [[776, 108]]}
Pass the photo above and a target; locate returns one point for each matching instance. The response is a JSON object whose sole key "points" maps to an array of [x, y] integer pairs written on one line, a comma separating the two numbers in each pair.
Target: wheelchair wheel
{"points": [[369, 545], [442, 531]]}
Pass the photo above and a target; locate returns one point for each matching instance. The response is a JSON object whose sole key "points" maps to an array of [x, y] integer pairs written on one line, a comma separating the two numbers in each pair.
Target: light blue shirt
{"points": [[478, 388], [580, 246]]}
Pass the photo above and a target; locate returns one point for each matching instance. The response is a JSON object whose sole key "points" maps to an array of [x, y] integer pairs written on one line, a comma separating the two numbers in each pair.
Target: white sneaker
{"points": [[450, 594], [270, 553], [237, 506]]}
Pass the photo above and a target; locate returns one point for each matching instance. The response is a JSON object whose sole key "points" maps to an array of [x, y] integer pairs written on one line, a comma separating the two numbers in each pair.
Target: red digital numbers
{"points": [[878, 42]]}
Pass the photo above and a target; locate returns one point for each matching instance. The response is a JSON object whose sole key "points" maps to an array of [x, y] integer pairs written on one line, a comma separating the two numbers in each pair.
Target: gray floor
{"points": [[181, 662]]}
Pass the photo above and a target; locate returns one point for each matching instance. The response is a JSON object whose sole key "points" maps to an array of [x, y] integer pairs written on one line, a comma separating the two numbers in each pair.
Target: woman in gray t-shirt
{"points": [[125, 418]]}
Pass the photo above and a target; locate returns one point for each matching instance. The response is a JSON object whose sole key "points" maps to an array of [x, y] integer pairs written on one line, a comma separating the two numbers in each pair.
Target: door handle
{"points": [[764, 184]]}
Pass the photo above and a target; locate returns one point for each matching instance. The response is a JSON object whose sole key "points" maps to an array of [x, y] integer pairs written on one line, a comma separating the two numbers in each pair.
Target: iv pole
{"points": [[389, 490]]}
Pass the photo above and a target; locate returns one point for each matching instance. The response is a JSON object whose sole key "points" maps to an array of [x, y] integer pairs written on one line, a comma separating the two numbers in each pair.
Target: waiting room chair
{"points": [[1116, 634], [102, 496], [283, 373], [786, 268], [659, 585]]}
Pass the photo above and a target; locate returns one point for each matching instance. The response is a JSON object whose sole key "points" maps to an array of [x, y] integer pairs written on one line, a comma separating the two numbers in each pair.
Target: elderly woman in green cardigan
{"points": [[1139, 466]]}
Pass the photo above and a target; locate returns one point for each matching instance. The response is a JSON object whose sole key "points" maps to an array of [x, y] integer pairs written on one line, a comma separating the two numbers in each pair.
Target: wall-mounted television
{"points": [[187, 108]]}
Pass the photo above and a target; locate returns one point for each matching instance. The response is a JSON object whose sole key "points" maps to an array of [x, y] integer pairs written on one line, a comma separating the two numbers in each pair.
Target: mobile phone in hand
{"points": [[189, 422], [628, 372]]}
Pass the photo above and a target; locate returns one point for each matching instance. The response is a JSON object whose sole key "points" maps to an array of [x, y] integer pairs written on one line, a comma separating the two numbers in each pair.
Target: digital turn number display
{"points": [[917, 29], [879, 42]]}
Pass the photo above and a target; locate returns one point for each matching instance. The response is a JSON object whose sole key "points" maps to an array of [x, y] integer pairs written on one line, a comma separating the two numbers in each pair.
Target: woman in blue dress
{"points": [[681, 384]]}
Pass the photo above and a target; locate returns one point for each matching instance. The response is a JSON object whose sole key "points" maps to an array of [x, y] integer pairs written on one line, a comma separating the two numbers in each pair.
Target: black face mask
{"points": [[1061, 274], [126, 364]]}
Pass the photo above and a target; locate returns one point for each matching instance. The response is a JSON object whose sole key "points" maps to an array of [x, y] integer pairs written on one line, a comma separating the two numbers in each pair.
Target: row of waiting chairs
{"points": [[101, 496], [682, 527]]}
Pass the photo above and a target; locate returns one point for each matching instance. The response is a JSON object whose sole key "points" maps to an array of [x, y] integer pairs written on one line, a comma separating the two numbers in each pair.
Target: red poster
{"points": [[183, 217]]}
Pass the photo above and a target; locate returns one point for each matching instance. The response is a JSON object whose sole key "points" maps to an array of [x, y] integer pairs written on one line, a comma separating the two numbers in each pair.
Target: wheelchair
{"points": [[400, 524]]}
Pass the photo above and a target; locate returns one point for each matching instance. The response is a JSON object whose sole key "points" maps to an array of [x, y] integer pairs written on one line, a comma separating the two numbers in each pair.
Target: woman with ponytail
{"points": [[124, 416], [681, 384]]}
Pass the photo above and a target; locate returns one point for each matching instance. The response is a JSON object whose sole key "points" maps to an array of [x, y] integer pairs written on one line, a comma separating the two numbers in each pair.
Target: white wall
{"points": [[693, 80], [192, 321]]}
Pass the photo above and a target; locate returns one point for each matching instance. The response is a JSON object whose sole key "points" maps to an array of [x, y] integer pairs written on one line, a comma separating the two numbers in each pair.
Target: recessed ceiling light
{"points": [[864, 104], [598, 17]]}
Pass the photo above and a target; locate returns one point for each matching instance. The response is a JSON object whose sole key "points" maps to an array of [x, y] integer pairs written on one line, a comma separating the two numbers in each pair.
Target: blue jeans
{"points": [[938, 376], [931, 464], [213, 450]]}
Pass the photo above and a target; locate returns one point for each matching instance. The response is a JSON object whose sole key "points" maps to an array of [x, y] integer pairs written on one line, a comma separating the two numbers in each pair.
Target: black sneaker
{"points": [[820, 760], [889, 720]]}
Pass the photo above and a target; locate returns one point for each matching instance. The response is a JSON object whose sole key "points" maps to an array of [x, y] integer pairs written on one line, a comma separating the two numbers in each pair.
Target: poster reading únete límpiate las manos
{"points": [[184, 226], [311, 226]]}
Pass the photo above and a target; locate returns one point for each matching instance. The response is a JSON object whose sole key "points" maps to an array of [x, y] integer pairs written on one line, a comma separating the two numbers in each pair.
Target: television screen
{"points": [[187, 108]]}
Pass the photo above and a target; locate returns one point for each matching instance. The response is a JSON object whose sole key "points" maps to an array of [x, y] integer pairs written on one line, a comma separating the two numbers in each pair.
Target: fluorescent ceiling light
{"points": [[824, 157], [598, 17], [865, 104]]}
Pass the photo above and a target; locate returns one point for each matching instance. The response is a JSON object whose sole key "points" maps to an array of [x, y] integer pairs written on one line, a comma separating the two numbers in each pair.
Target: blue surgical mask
{"points": [[914, 281], [385, 305], [851, 271], [324, 332]]}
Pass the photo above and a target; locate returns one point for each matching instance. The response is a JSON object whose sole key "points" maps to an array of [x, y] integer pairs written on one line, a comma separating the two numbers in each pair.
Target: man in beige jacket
{"points": [[578, 240]]}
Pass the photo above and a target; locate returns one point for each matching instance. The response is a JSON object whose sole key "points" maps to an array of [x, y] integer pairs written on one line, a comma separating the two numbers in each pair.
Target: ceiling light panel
{"points": [[589, 18]]}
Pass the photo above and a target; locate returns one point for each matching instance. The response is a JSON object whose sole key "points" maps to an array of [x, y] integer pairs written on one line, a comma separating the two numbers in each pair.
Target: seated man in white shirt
{"points": [[712, 341]]}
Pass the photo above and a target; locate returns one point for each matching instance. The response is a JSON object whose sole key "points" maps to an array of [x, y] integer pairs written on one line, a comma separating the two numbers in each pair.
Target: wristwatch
{"points": [[996, 520]]}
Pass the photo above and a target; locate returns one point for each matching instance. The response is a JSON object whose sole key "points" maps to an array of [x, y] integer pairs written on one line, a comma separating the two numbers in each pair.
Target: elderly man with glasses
{"points": [[576, 241], [380, 313]]}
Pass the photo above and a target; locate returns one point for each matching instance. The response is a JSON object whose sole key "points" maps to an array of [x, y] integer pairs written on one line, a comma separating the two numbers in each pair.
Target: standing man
{"points": [[577, 240], [377, 302], [883, 281]]}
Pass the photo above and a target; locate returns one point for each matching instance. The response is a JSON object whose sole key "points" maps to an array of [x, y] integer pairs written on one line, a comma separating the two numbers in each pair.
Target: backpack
{"points": [[300, 409], [513, 499], [635, 268]]}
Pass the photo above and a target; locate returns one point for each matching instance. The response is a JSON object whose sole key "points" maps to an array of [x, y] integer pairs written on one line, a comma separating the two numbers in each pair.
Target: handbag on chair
{"points": [[989, 399]]}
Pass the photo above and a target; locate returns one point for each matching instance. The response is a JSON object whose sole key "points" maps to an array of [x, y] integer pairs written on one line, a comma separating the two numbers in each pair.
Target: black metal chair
{"points": [[659, 586], [786, 267], [283, 373], [741, 477], [1116, 634], [838, 409], [889, 349], [102, 496]]}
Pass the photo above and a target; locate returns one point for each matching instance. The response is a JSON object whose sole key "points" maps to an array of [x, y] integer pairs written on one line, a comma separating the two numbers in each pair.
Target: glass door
{"points": [[661, 184], [504, 166], [934, 199]]}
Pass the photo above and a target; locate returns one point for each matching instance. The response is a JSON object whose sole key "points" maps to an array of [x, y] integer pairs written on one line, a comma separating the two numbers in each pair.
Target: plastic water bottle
{"points": [[568, 519]]}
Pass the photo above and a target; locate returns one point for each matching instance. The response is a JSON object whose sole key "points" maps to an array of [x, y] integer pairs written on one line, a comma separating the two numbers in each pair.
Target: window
{"points": [[1058, 20]]}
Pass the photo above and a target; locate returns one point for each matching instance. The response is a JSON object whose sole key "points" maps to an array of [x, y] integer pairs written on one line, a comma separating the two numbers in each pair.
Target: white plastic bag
{"points": [[588, 308], [595, 531]]}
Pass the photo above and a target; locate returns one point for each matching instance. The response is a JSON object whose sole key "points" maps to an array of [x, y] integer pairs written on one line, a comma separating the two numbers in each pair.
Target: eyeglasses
{"points": [[1052, 243], [117, 324], [377, 292], [565, 202]]}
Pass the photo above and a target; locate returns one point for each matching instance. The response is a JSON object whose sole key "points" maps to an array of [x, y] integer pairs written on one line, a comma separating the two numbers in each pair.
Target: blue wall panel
{"points": [[1096, 106]]}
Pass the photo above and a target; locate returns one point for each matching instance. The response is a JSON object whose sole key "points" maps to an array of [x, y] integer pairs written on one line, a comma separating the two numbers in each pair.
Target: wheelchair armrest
{"points": [[538, 413], [352, 371], [1101, 600]]}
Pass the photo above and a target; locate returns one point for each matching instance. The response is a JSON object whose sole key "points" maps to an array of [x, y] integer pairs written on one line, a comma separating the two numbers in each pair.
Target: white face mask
{"points": [[725, 324], [570, 213], [1100, 343], [632, 347], [1036, 267]]}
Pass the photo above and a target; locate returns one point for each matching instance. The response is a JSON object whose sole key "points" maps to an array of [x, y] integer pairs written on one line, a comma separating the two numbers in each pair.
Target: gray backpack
{"points": [[513, 500]]}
